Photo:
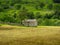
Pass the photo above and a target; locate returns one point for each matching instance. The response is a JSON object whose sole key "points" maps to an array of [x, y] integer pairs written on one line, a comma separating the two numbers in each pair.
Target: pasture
{"points": [[19, 35]]}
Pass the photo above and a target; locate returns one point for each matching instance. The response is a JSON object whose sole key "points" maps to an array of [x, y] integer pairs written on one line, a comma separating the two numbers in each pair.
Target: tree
{"points": [[5, 6], [50, 6], [57, 7], [48, 16], [17, 6], [30, 15], [42, 5], [22, 14], [1, 9], [38, 15], [56, 14]]}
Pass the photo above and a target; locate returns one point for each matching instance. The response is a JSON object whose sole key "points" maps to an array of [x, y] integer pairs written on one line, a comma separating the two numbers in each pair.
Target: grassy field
{"points": [[41, 35]]}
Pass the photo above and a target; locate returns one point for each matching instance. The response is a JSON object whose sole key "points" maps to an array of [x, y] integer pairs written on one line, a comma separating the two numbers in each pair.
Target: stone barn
{"points": [[30, 22]]}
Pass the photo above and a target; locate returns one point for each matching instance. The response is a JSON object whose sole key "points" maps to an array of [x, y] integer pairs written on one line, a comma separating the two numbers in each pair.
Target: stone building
{"points": [[30, 22]]}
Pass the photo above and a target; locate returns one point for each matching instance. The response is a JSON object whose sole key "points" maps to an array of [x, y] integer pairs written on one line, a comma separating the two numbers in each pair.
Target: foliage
{"points": [[14, 11], [56, 1]]}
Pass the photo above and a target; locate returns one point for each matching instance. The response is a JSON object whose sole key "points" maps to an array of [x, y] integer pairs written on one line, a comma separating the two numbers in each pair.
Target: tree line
{"points": [[14, 11]]}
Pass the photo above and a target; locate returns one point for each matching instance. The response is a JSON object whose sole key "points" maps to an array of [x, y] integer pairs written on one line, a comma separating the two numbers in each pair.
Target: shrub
{"points": [[40, 21], [57, 23], [49, 22]]}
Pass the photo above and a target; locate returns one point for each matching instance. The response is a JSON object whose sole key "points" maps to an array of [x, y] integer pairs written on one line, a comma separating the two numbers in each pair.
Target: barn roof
{"points": [[31, 20]]}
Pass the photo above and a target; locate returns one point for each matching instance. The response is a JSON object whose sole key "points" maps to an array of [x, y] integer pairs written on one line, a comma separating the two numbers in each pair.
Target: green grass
{"points": [[19, 35]]}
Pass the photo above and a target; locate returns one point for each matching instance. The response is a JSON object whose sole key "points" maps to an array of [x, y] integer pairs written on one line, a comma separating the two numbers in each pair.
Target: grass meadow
{"points": [[19, 35]]}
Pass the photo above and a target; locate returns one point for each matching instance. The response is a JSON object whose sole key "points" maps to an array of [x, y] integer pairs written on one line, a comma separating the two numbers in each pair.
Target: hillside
{"points": [[14, 11]]}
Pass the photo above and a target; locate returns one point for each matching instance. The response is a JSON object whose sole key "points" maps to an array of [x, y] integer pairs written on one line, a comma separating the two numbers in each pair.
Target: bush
{"points": [[40, 21], [46, 22], [57, 23], [49, 22]]}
